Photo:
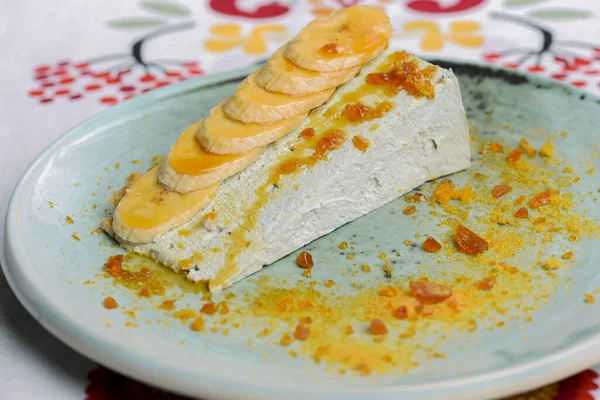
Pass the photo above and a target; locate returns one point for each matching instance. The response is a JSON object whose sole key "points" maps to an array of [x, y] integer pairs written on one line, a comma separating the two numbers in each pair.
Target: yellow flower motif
{"points": [[320, 8], [230, 36], [463, 33]]}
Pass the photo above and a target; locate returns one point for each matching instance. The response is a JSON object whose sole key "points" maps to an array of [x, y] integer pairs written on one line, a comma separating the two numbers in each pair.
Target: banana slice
{"points": [[345, 39], [189, 167], [220, 134], [149, 210], [280, 75], [252, 104]]}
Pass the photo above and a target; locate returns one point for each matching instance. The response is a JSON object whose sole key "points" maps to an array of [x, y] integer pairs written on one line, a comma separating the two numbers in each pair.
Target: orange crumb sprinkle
{"points": [[286, 340], [209, 308], [406, 76], [69, 220], [388, 292], [224, 309], [364, 369], [409, 210], [400, 312], [361, 143], [547, 150], [359, 112], [211, 216], [452, 303], [514, 156], [305, 260], [446, 191], [168, 305], [197, 325], [349, 330], [589, 298], [500, 190], [332, 140], [110, 303], [522, 213], [143, 280], [552, 263], [355, 112], [301, 332], [416, 198], [540, 199], [306, 320], [529, 149], [568, 255], [343, 245], [185, 314], [497, 148], [330, 48], [486, 284], [431, 245], [308, 133], [378, 327], [469, 242], [429, 292]]}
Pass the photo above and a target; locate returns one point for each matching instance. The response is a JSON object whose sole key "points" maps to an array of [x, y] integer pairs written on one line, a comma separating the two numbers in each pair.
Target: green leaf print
{"points": [[135, 23], [167, 9], [522, 3], [559, 14]]}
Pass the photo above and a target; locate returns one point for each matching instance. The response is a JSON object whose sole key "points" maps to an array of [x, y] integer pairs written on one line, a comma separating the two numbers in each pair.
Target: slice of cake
{"points": [[278, 180]]}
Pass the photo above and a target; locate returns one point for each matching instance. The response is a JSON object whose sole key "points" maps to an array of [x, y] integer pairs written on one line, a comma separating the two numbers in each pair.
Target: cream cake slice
{"points": [[399, 123]]}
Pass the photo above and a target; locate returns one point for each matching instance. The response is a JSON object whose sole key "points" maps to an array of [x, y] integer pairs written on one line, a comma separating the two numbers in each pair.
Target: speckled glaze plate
{"points": [[48, 269]]}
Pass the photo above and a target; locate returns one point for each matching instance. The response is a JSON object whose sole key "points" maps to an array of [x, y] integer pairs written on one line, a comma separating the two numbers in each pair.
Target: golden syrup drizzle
{"points": [[166, 276]]}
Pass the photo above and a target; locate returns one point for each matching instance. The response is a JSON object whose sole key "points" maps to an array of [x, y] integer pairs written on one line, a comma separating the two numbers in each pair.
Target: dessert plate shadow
{"points": [[47, 267]]}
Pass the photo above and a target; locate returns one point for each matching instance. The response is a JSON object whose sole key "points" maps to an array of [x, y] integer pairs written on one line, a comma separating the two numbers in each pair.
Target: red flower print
{"points": [[107, 385], [438, 6], [348, 3], [230, 7], [577, 387], [112, 78]]}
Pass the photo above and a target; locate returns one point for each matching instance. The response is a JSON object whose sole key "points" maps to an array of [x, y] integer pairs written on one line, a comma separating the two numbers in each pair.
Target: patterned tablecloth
{"points": [[61, 62]]}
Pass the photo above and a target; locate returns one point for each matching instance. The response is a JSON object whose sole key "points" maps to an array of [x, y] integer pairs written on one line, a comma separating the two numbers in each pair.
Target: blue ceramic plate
{"points": [[56, 277]]}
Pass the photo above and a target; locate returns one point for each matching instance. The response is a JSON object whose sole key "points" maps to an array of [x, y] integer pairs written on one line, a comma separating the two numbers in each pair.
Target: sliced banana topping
{"points": [[189, 167], [280, 75], [266, 106], [345, 39], [252, 104], [220, 134], [148, 210]]}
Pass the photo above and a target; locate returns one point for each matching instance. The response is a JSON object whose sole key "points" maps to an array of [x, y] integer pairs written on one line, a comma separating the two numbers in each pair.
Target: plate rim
{"points": [[499, 382]]}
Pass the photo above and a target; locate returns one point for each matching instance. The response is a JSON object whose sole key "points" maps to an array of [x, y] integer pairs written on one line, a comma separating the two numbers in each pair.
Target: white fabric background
{"points": [[34, 365]]}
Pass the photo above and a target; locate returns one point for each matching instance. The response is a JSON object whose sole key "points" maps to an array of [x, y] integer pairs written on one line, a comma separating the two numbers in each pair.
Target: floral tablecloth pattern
{"points": [[62, 62]]}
